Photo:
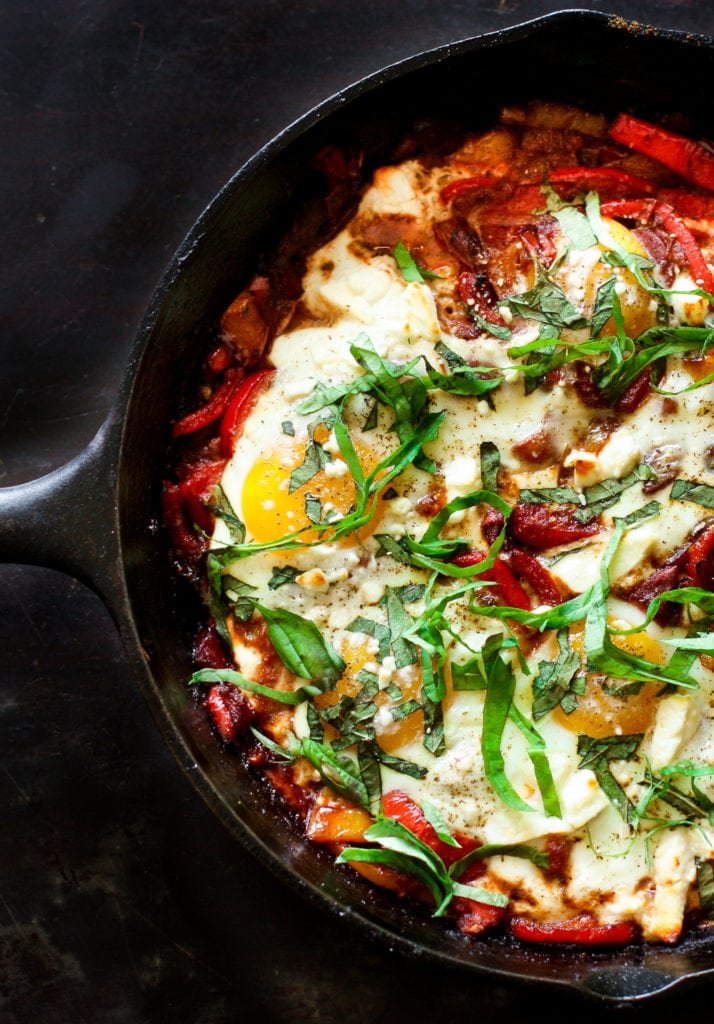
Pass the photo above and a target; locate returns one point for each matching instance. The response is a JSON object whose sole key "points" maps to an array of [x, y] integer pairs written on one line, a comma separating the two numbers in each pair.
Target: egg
{"points": [[409, 629]]}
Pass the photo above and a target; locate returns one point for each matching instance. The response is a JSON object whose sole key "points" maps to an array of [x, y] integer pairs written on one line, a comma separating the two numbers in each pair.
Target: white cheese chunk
{"points": [[677, 719], [674, 870]]}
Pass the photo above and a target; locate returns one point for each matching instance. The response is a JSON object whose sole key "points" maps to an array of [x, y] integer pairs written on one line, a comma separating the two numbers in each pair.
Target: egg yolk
{"points": [[271, 510], [395, 734], [601, 713], [635, 301]]}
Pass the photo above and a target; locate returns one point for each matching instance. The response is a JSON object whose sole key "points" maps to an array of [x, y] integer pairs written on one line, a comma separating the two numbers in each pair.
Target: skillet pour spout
{"points": [[99, 517]]}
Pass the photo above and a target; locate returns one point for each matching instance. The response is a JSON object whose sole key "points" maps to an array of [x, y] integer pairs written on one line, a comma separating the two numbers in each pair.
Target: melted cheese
{"points": [[351, 292]]}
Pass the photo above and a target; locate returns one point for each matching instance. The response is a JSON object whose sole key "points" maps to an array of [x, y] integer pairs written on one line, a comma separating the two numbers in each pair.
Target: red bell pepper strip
{"points": [[214, 407], [492, 524], [541, 526], [689, 159], [509, 589], [667, 577], [240, 405], [220, 359], [459, 187], [580, 930], [397, 805], [673, 223], [477, 292], [635, 393], [202, 478], [600, 179], [628, 209], [536, 575], [196, 488], [473, 918], [699, 563], [668, 218], [693, 205], [230, 710], [186, 541], [208, 649]]}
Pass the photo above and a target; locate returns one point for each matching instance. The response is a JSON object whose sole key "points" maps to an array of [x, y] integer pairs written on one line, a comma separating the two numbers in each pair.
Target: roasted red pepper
{"points": [[208, 649], [214, 407], [473, 918], [219, 359], [600, 179], [689, 159], [477, 292], [635, 393], [461, 186], [698, 266], [397, 805], [240, 405], [628, 209], [542, 526], [186, 541], [699, 563], [196, 489], [492, 524], [230, 711], [667, 577], [507, 586], [536, 575], [583, 930], [664, 215]]}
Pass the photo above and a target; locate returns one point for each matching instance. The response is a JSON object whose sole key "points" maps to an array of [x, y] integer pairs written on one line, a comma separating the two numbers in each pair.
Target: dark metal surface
{"points": [[122, 898]]}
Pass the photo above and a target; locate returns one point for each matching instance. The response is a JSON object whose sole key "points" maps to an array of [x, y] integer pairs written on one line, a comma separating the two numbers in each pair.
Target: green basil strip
{"points": [[284, 755], [399, 764], [499, 696], [411, 271], [490, 464], [229, 675], [691, 490], [216, 603], [602, 653], [478, 497], [549, 304], [399, 622], [301, 646], [603, 308], [597, 498], [340, 773], [433, 684], [370, 774], [575, 227], [433, 711], [596, 755], [433, 816], [539, 760], [705, 885], [478, 895], [402, 863]]}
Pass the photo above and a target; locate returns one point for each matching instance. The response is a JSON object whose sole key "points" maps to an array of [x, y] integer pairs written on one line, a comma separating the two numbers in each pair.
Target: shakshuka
{"points": [[446, 486]]}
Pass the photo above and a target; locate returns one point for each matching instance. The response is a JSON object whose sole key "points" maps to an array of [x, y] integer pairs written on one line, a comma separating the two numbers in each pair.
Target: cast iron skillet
{"points": [[98, 517]]}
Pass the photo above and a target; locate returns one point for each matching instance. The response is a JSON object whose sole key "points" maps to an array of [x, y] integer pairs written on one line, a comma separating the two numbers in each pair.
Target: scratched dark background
{"points": [[122, 900]]}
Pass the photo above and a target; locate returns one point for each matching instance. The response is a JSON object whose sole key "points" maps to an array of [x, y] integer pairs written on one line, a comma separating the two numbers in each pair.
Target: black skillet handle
{"points": [[68, 519]]}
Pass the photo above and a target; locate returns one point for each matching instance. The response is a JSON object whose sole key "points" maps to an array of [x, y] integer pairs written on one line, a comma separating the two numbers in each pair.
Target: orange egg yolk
{"points": [[397, 733], [272, 511], [600, 713]]}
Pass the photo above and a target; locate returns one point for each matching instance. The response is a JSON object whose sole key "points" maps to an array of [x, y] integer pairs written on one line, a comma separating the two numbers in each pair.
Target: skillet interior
{"points": [[580, 57]]}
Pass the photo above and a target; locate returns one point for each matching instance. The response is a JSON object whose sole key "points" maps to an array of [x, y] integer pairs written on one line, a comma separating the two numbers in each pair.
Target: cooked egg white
{"points": [[615, 870]]}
